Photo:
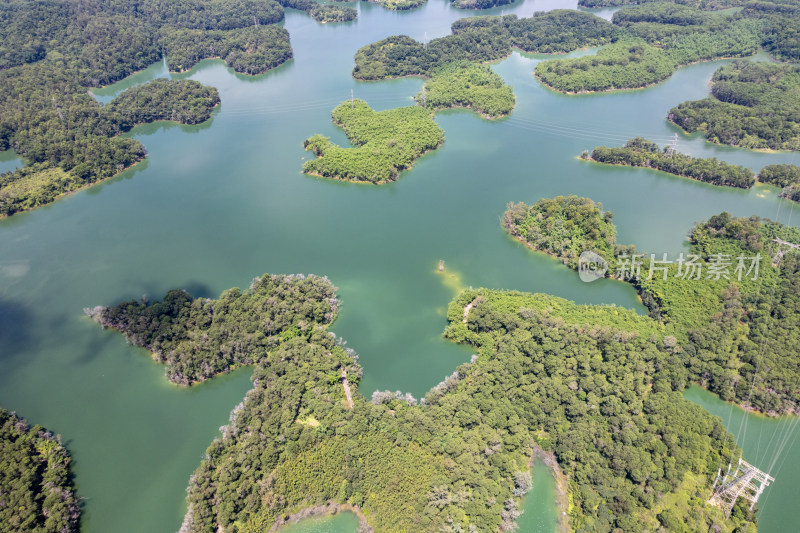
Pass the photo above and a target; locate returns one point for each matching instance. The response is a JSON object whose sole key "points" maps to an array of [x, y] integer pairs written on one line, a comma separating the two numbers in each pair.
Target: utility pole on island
{"points": [[672, 146]]}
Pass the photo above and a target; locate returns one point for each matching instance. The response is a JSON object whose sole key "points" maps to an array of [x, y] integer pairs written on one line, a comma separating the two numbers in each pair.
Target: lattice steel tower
{"points": [[746, 481]]}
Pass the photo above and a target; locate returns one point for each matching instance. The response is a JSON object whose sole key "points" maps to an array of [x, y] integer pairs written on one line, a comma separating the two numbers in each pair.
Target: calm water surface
{"points": [[218, 204]]}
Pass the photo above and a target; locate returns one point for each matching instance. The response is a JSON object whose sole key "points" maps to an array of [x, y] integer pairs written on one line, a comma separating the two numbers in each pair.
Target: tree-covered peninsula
{"points": [[76, 142], [785, 176], [53, 51], [386, 142], [320, 12], [250, 50], [701, 4], [658, 38], [457, 460], [752, 105], [640, 152], [198, 338], [36, 492], [482, 39], [469, 85], [780, 175], [730, 308]]}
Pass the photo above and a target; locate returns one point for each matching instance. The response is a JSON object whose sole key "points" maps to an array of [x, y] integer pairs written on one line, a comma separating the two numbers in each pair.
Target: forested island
{"points": [[640, 152], [752, 105], [457, 459], [322, 12], [36, 492], [386, 142], [717, 317], [482, 39], [564, 227]]}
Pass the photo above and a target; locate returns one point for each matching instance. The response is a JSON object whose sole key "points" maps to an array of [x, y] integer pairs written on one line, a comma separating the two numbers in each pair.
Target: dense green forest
{"points": [[479, 4], [198, 338], [400, 5], [482, 39], [36, 492], [784, 176], [659, 37], [752, 105], [701, 4], [332, 13], [465, 84], [250, 50], [52, 51], [646, 43], [74, 141], [781, 30], [564, 226], [731, 314], [780, 175], [386, 142], [605, 400], [640, 152], [322, 12]]}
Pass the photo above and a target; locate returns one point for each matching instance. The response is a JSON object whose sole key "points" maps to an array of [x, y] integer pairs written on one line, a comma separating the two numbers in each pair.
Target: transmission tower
{"points": [[672, 146], [746, 481], [782, 251]]}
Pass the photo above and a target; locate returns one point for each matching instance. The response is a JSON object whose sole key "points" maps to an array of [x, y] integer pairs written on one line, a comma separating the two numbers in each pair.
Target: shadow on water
{"points": [[15, 324]]}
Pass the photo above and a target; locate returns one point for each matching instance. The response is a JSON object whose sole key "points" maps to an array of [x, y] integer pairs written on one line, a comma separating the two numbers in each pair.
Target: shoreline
{"points": [[591, 160], [647, 86], [143, 159], [329, 509], [706, 139], [70, 192]]}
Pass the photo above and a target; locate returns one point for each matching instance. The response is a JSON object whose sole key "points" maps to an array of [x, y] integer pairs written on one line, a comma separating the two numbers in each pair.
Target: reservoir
{"points": [[217, 204]]}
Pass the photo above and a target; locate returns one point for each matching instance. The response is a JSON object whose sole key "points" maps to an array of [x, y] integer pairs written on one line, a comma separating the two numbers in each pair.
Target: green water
{"points": [[539, 514], [217, 204], [9, 160], [769, 444], [338, 523]]}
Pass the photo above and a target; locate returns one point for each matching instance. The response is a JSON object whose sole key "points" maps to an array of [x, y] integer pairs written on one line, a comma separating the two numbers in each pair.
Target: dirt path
{"points": [[467, 310], [347, 392]]}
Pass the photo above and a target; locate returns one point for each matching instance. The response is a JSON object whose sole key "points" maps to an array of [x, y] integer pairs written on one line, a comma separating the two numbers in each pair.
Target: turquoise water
{"points": [[9, 160], [338, 523], [218, 204], [539, 513]]}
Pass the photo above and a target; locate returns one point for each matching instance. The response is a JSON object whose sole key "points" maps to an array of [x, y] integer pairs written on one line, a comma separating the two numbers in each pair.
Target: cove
{"points": [[539, 512], [215, 205]]}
